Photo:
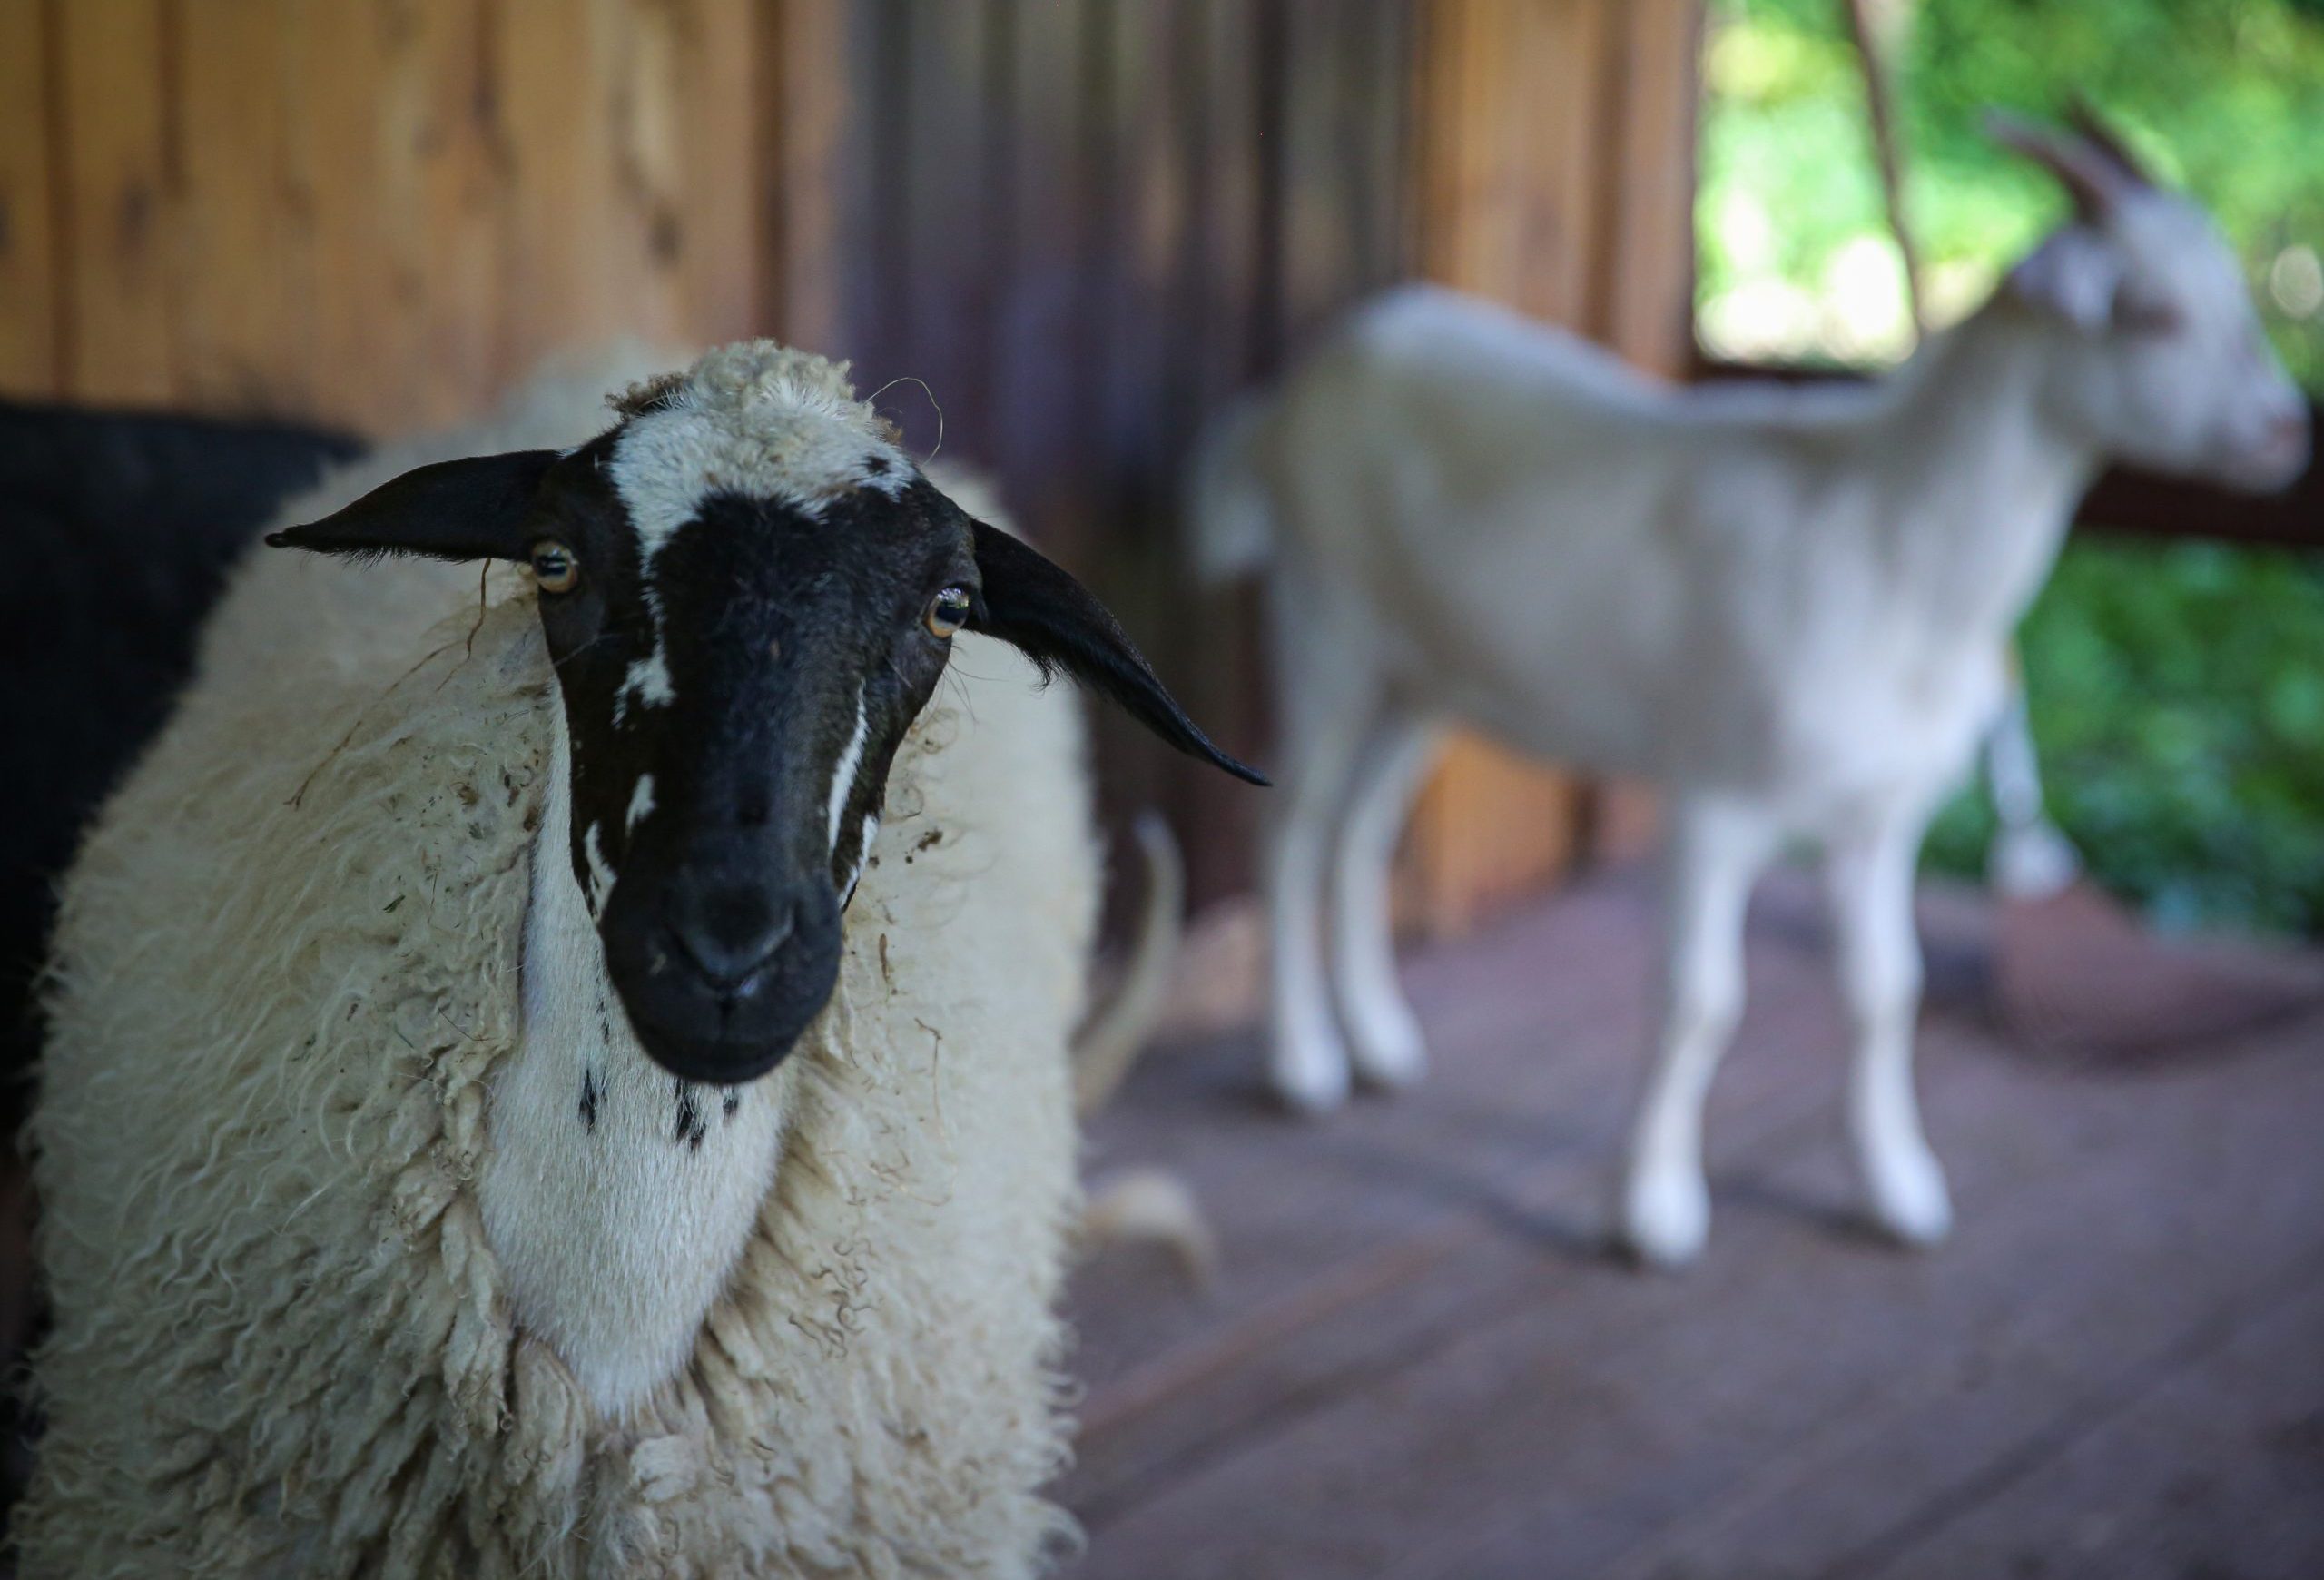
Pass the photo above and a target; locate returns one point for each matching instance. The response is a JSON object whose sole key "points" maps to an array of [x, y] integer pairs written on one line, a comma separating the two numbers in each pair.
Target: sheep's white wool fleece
{"points": [[283, 1346]]}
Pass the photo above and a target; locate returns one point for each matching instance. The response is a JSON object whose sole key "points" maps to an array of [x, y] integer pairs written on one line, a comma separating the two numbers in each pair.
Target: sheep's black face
{"points": [[748, 594], [735, 695]]}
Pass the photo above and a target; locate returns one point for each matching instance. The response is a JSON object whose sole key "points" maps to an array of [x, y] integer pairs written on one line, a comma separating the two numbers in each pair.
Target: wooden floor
{"points": [[1417, 1362]]}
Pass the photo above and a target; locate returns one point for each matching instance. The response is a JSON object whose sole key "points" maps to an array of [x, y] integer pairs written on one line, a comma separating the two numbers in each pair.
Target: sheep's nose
{"points": [[728, 931]]}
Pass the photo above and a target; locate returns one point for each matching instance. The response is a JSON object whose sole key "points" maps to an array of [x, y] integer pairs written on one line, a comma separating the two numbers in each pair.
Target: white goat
{"points": [[1787, 606]]}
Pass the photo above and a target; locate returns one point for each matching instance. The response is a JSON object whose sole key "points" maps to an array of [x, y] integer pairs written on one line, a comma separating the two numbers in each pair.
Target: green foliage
{"points": [[2177, 690], [2177, 694], [2225, 97]]}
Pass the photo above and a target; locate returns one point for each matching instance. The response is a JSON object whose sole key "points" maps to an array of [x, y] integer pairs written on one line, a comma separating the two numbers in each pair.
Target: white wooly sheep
{"points": [[1788, 605], [383, 1237]]}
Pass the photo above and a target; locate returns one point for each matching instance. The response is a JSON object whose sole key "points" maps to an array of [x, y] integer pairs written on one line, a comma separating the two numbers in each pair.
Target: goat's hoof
{"points": [[1664, 1220], [1392, 1061], [1315, 1082], [1910, 1202], [2034, 862]]}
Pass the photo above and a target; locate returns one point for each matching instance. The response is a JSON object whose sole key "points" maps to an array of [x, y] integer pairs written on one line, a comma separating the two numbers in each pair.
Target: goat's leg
{"points": [[1716, 851], [2030, 857], [1329, 697], [1382, 1036], [1868, 871]]}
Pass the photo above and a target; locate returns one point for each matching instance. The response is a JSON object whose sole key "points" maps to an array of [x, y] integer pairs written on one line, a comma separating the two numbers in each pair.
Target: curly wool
{"points": [[286, 973], [766, 420]]}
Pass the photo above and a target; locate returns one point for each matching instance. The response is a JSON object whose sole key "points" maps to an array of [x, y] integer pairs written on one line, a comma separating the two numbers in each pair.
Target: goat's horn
{"points": [[2089, 175], [2093, 129]]}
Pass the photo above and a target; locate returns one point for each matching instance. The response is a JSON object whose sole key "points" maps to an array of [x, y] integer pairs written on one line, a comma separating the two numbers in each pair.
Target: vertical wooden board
{"points": [[1385, 65], [1093, 195], [358, 376], [1227, 210], [30, 306], [714, 78], [242, 298], [1188, 642], [1128, 557], [1042, 315], [1647, 252], [567, 245], [1321, 220], [442, 196], [948, 237], [810, 179], [1557, 146], [1437, 60], [640, 95], [1465, 224], [1145, 216], [1218, 662], [114, 200], [878, 285]]}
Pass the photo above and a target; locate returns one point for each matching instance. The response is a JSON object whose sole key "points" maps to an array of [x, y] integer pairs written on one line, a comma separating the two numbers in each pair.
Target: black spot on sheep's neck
{"points": [[691, 1126], [590, 1097], [736, 670]]}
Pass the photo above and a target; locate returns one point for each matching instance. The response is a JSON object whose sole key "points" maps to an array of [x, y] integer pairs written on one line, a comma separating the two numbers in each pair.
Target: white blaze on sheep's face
{"points": [[752, 420], [851, 757], [863, 855]]}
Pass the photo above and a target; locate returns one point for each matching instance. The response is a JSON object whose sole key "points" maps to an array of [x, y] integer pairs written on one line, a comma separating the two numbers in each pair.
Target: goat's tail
{"points": [[1115, 1035], [1226, 496]]}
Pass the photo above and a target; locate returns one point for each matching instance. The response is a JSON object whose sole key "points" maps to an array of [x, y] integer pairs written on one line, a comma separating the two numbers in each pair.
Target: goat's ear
{"points": [[2074, 275], [456, 509], [1057, 623]]}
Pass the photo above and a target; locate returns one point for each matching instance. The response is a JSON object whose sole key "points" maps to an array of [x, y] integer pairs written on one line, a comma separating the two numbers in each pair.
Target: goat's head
{"points": [[2166, 366], [749, 593]]}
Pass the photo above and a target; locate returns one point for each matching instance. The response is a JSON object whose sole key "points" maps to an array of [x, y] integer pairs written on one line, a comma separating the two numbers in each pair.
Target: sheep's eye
{"points": [[554, 566], [948, 611]]}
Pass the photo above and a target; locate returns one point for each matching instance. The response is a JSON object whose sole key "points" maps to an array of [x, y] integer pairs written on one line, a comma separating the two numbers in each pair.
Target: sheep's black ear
{"points": [[1056, 622], [456, 509]]}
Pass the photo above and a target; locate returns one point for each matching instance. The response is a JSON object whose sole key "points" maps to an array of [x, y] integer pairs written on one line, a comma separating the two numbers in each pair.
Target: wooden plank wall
{"points": [[369, 212], [1556, 156], [1079, 228]]}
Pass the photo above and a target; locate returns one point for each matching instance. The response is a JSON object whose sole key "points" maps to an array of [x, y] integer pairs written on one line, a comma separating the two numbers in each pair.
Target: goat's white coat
{"points": [[336, 1291], [1787, 606]]}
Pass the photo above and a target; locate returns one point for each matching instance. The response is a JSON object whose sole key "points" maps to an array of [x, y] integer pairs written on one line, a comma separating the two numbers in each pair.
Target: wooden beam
{"points": [[114, 201], [2148, 504], [242, 288], [804, 156], [28, 274]]}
